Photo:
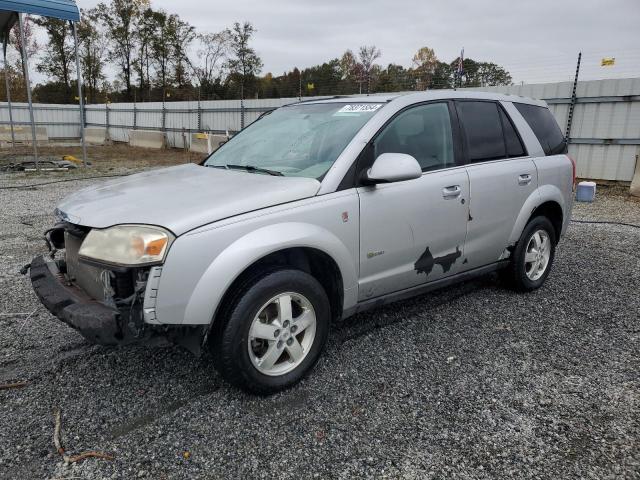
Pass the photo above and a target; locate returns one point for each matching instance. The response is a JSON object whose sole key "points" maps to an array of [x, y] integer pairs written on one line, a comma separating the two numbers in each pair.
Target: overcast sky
{"points": [[536, 40]]}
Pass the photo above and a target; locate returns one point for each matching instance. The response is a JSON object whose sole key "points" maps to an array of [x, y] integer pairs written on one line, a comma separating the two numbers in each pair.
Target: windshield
{"points": [[300, 140]]}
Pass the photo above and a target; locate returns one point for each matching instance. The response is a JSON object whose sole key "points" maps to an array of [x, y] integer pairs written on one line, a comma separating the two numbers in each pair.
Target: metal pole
{"points": [[6, 80], [25, 64], [573, 100], [106, 119], [199, 111], [242, 104], [79, 76]]}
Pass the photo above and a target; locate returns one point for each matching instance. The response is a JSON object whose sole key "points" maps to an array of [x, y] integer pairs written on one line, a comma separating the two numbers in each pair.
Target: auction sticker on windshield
{"points": [[359, 108]]}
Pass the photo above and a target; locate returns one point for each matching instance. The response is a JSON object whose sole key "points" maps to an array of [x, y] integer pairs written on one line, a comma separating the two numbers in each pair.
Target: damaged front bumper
{"points": [[96, 321], [99, 322]]}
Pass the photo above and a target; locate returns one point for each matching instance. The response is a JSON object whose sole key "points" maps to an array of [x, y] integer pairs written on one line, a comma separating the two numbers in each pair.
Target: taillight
{"points": [[573, 167]]}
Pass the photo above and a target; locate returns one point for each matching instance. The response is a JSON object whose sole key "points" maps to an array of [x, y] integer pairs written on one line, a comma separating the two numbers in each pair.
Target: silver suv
{"points": [[316, 211]]}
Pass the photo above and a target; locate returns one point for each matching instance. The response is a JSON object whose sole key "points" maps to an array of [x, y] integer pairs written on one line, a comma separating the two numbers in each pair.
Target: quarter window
{"points": [[511, 139], [423, 132], [544, 127]]}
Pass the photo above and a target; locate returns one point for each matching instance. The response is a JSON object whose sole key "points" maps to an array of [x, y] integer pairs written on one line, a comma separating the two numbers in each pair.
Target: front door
{"points": [[413, 232]]}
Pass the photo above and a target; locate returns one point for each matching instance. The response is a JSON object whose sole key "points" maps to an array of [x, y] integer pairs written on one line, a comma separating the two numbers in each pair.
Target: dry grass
{"points": [[108, 158]]}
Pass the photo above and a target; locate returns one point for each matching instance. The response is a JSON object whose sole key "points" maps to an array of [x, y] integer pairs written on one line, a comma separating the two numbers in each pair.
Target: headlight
{"points": [[127, 245]]}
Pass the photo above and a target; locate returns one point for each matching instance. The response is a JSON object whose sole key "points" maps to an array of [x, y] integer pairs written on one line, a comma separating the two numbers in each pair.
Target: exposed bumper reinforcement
{"points": [[95, 321]]}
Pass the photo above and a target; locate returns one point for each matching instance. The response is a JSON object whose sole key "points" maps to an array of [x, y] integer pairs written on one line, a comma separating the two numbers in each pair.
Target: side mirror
{"points": [[393, 167]]}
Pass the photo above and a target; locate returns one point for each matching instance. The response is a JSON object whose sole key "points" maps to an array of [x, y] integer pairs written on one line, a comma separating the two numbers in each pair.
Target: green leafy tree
{"points": [[92, 52], [58, 51], [244, 63], [121, 19], [424, 63]]}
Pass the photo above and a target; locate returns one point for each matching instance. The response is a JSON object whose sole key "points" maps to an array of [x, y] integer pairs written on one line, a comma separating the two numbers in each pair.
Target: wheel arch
{"points": [[305, 246], [546, 200]]}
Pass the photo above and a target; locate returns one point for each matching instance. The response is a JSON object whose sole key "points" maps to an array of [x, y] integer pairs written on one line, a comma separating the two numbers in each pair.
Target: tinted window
{"points": [[545, 128], [423, 132], [483, 130], [511, 139]]}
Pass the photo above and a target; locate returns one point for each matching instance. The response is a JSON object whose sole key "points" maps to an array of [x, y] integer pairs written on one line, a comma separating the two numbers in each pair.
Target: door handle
{"points": [[452, 191], [524, 179]]}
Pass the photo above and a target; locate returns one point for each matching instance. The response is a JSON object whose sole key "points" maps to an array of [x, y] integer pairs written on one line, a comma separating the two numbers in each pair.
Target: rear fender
{"points": [[544, 193]]}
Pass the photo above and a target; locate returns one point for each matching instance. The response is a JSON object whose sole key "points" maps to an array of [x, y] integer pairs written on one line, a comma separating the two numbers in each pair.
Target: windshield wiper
{"points": [[253, 168]]}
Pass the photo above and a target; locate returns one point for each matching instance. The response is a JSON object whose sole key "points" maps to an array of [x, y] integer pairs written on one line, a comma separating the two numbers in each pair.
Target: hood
{"points": [[181, 198]]}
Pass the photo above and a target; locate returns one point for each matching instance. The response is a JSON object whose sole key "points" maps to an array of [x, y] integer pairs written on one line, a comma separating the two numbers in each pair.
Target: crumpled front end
{"points": [[108, 305]]}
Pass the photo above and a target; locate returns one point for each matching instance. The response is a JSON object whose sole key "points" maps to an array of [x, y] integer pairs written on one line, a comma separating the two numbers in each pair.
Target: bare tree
{"points": [[213, 51], [30, 41], [368, 55]]}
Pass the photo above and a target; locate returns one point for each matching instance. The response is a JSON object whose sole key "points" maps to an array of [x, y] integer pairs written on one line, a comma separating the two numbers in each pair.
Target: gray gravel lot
{"points": [[471, 382]]}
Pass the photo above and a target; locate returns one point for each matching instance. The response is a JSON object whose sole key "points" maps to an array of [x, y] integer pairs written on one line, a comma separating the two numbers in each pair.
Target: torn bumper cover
{"points": [[96, 321]]}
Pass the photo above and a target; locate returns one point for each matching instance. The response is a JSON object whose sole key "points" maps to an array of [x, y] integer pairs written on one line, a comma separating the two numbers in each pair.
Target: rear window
{"points": [[545, 128]]}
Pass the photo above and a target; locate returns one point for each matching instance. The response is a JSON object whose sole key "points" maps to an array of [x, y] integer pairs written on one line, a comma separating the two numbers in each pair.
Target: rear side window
{"points": [[511, 139], [545, 128], [483, 130]]}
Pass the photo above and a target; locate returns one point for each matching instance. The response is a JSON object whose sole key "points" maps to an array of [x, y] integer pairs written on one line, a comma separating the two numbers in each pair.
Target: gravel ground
{"points": [[470, 382]]}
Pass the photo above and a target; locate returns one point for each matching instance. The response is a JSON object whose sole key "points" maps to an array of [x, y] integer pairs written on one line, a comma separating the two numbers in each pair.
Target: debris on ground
{"points": [[8, 386], [60, 448]]}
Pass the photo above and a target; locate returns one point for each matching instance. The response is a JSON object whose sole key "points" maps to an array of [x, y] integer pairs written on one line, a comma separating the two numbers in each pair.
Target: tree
{"points": [[58, 53], [31, 44], [91, 50], [181, 36], [213, 51], [368, 55], [424, 64], [481, 74], [245, 62], [160, 47], [145, 33], [120, 18]]}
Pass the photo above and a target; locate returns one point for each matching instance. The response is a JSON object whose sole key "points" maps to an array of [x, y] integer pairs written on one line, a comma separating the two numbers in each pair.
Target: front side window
{"points": [[483, 130], [423, 132], [300, 140]]}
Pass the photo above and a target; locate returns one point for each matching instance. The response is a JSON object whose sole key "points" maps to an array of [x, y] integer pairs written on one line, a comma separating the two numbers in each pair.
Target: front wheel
{"points": [[272, 332], [533, 256]]}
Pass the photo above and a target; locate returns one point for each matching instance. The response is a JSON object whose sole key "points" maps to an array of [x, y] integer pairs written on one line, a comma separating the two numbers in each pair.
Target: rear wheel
{"points": [[533, 256], [272, 332]]}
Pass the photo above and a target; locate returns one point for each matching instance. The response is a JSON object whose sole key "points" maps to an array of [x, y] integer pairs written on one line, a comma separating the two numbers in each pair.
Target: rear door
{"points": [[501, 178]]}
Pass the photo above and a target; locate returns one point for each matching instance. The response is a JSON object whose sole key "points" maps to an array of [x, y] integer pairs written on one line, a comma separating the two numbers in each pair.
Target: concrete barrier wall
{"points": [[147, 139], [23, 134], [95, 135], [206, 142], [635, 183]]}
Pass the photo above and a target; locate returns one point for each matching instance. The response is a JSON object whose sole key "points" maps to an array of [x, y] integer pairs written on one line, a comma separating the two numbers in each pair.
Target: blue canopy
{"points": [[62, 9]]}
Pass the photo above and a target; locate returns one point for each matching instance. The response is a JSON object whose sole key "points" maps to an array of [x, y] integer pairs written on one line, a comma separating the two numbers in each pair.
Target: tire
{"points": [[253, 331], [523, 275]]}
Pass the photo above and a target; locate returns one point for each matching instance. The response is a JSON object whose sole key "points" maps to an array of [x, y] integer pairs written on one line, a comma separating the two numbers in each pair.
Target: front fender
{"points": [[544, 193], [246, 250]]}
